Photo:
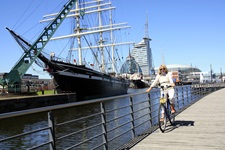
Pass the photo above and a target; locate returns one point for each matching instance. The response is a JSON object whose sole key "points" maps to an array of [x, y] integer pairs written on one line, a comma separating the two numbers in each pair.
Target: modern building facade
{"points": [[142, 53], [184, 69], [183, 72], [143, 56], [130, 66]]}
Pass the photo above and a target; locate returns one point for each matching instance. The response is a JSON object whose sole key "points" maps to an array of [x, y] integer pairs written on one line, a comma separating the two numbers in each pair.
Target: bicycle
{"points": [[166, 106]]}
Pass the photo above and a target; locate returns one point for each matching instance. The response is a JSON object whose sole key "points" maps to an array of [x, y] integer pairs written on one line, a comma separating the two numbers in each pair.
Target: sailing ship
{"points": [[96, 79], [88, 80]]}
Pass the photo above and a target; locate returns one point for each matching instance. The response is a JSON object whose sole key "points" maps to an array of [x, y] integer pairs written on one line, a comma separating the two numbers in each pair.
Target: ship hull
{"points": [[85, 82], [89, 87]]}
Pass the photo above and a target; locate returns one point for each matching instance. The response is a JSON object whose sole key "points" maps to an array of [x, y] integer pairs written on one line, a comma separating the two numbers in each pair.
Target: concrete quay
{"points": [[17, 103], [200, 127]]}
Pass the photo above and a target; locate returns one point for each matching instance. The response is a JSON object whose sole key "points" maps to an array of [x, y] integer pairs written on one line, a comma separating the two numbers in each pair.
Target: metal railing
{"points": [[113, 123]]}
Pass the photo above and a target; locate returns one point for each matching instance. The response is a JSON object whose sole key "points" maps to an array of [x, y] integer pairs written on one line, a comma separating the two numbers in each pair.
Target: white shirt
{"points": [[163, 80]]}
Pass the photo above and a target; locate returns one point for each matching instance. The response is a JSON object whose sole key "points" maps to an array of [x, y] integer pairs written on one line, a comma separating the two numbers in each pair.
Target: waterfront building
{"points": [[130, 66], [142, 53], [132, 71], [31, 82], [143, 56], [185, 69], [183, 72]]}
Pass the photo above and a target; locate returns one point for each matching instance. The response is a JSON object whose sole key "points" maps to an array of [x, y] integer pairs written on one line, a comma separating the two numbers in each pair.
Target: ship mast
{"points": [[111, 38], [97, 7], [101, 41], [78, 31]]}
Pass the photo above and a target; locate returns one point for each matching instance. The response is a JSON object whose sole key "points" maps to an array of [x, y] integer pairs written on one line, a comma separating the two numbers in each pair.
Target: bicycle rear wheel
{"points": [[162, 123], [170, 115]]}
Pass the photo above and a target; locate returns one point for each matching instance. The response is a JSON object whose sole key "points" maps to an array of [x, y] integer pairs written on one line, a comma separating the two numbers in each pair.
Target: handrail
{"points": [[130, 120]]}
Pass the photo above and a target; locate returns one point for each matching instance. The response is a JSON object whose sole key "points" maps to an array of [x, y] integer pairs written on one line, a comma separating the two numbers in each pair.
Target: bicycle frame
{"points": [[165, 112]]}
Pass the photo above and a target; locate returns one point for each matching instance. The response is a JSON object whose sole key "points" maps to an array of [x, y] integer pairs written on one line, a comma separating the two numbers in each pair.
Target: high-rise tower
{"points": [[143, 54]]}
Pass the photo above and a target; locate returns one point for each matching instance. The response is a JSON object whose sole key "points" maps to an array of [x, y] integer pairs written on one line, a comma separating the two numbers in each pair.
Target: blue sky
{"points": [[187, 32]]}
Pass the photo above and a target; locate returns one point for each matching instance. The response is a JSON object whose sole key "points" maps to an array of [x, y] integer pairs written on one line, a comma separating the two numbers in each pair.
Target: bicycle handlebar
{"points": [[167, 86]]}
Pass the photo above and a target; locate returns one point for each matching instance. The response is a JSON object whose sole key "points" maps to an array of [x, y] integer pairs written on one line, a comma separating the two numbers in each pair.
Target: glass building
{"points": [[143, 56], [142, 53], [130, 66]]}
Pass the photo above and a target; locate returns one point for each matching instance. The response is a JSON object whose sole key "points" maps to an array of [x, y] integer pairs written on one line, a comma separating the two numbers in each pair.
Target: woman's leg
{"points": [[171, 93], [163, 94]]}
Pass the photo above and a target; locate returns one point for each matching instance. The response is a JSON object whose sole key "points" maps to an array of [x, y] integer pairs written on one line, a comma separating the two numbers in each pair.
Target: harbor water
{"points": [[17, 125]]}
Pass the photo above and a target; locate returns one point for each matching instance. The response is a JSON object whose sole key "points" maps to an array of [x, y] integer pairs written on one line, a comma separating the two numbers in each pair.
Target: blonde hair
{"points": [[162, 66]]}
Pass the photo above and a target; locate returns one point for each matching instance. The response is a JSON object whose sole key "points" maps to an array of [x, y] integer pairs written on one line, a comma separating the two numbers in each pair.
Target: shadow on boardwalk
{"points": [[178, 124], [183, 123]]}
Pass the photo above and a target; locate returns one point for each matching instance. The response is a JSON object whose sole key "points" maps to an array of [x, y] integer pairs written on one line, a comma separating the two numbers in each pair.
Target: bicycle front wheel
{"points": [[170, 115], [162, 117]]}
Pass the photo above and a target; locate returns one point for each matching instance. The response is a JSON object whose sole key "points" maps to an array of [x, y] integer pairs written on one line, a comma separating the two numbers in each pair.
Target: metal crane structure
{"points": [[14, 77]]}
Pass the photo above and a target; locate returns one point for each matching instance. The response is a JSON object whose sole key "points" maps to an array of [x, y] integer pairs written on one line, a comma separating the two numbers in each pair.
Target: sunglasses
{"points": [[162, 69]]}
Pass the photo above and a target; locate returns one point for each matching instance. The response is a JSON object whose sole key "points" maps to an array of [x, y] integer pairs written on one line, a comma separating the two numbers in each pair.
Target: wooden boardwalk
{"points": [[199, 127]]}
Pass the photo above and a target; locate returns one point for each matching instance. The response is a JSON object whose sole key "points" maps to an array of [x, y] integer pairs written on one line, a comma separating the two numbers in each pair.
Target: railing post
{"points": [[191, 93], [199, 92], [195, 93], [182, 97], [51, 131], [150, 109], [132, 117], [104, 129], [187, 94], [177, 98]]}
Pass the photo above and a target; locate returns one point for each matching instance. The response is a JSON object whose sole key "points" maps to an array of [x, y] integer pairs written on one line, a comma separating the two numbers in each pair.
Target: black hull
{"points": [[89, 88], [85, 82]]}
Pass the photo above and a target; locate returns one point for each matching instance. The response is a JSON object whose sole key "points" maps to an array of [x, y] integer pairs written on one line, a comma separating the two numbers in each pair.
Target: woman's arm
{"points": [[171, 80], [154, 83]]}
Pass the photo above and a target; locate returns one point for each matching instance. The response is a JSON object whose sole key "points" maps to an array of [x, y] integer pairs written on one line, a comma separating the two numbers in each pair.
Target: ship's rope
{"points": [[23, 15], [30, 14]]}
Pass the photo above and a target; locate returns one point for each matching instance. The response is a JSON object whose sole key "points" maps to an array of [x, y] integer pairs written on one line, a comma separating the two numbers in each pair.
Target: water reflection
{"points": [[17, 125]]}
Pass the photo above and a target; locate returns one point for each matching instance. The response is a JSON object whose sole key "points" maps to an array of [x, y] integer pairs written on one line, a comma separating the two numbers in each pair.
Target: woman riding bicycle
{"points": [[165, 79]]}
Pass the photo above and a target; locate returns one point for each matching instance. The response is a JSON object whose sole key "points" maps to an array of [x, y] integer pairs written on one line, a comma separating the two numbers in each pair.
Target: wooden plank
{"points": [[201, 126]]}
